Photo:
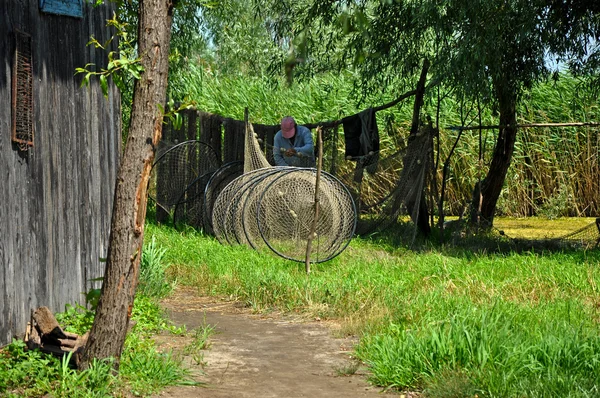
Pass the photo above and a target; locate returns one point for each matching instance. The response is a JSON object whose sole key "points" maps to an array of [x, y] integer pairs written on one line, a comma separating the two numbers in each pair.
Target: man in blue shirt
{"points": [[293, 145]]}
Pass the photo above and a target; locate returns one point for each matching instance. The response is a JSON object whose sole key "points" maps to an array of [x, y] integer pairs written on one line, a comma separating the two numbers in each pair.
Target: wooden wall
{"points": [[56, 198]]}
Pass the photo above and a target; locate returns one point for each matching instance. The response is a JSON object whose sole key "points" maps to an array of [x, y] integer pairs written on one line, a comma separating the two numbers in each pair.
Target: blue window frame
{"points": [[71, 8]]}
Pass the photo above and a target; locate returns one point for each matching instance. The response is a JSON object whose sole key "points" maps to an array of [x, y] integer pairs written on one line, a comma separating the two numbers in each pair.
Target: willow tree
{"points": [[108, 332], [488, 50]]}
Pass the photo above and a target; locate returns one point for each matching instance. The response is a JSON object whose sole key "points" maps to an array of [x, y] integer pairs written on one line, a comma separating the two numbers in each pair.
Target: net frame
{"points": [[217, 183], [170, 178], [336, 245]]}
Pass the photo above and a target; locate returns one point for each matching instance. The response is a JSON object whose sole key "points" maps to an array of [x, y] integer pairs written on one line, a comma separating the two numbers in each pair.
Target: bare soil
{"points": [[263, 356]]}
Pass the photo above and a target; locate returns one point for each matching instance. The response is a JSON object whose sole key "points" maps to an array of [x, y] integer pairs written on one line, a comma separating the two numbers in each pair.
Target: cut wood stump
{"points": [[44, 333]]}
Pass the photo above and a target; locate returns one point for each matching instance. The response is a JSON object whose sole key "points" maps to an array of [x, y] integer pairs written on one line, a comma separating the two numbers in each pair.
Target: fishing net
{"points": [[274, 207], [175, 170], [587, 237], [391, 191], [189, 209], [285, 213], [218, 181]]}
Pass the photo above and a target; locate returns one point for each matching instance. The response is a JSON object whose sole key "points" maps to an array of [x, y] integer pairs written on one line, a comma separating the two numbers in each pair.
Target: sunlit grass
{"points": [[541, 228], [490, 322]]}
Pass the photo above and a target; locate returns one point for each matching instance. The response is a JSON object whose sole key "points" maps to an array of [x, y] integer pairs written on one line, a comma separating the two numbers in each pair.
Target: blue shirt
{"points": [[302, 143]]}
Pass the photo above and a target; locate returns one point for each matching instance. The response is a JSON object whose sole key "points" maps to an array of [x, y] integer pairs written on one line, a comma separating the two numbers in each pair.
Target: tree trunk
{"points": [[422, 219], [108, 332], [486, 196]]}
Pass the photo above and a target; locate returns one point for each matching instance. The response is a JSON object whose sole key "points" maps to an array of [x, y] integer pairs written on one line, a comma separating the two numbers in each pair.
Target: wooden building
{"points": [[59, 153]]}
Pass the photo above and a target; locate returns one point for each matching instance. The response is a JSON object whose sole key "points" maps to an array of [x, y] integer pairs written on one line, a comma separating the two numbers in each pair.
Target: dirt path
{"points": [[252, 356]]}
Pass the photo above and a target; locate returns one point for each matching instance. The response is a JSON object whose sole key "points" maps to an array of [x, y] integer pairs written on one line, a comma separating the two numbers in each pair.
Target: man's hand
{"points": [[290, 152]]}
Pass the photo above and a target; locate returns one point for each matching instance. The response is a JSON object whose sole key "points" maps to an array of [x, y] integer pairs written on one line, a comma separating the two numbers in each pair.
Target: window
{"points": [[22, 92]]}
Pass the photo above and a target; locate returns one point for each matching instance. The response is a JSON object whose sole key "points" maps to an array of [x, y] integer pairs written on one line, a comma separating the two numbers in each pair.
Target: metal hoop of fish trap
{"points": [[176, 168], [285, 214], [234, 221], [217, 183], [189, 209], [222, 216], [248, 215]]}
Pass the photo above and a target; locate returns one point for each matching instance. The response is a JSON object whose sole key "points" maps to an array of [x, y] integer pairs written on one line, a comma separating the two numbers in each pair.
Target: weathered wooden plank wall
{"points": [[224, 135], [55, 199]]}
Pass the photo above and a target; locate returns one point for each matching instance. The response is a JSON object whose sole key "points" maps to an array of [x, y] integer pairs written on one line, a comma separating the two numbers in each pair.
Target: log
{"points": [[44, 333], [47, 325]]}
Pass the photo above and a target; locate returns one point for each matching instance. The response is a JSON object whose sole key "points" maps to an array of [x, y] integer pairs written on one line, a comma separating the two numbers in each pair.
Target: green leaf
{"points": [[104, 85], [177, 121], [86, 80]]}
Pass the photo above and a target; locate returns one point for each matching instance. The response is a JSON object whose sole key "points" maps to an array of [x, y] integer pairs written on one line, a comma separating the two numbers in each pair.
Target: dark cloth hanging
{"points": [[361, 133], [361, 137]]}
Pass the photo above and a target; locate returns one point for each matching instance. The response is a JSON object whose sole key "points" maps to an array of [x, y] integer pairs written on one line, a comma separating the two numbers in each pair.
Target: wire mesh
{"points": [[286, 209], [176, 168]]}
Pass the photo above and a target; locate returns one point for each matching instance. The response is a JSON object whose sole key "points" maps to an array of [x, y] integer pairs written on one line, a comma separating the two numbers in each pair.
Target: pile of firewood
{"points": [[44, 333]]}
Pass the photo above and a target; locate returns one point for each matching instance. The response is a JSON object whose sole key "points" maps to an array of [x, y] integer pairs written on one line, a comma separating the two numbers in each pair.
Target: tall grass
{"points": [[555, 170]]}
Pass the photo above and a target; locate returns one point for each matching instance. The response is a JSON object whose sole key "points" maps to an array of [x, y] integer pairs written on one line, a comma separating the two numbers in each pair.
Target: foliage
{"points": [[500, 348], [76, 319], [123, 64], [479, 319], [152, 282], [144, 369], [553, 169]]}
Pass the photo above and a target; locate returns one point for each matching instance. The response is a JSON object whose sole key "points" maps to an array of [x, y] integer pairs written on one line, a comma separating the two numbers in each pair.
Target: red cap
{"points": [[288, 127]]}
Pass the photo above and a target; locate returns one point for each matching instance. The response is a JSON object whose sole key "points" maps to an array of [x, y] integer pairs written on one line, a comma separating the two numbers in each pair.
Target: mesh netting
{"points": [[285, 212], [405, 195], [587, 237], [219, 180], [189, 209], [254, 158], [177, 173], [274, 207]]}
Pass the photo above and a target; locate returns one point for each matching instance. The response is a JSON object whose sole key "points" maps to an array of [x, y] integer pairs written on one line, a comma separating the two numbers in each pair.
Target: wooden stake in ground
{"points": [[316, 219]]}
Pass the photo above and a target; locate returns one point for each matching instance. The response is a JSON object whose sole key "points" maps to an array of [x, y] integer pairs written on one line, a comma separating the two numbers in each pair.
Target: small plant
{"points": [[76, 319], [347, 369], [98, 381], [146, 370], [450, 384], [152, 272], [200, 339]]}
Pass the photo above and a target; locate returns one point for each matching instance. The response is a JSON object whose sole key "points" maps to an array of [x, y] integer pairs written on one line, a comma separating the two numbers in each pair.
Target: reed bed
{"points": [[555, 171]]}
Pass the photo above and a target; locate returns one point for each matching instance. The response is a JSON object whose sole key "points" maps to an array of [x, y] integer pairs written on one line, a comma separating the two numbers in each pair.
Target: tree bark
{"points": [[485, 197], [108, 332]]}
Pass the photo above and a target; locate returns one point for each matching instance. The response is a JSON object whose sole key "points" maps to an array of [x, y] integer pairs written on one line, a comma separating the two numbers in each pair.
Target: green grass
{"points": [[144, 369], [463, 321]]}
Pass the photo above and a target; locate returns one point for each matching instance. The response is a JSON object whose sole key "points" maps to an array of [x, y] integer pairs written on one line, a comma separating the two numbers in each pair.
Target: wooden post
{"points": [[316, 219]]}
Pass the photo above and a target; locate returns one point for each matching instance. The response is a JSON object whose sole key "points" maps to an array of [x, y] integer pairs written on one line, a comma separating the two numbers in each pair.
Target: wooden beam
{"points": [[582, 124]]}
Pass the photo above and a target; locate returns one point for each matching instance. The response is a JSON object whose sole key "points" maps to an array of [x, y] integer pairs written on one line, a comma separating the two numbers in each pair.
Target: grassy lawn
{"points": [[447, 321]]}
